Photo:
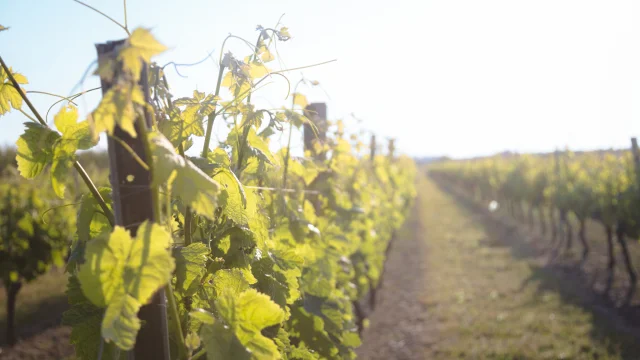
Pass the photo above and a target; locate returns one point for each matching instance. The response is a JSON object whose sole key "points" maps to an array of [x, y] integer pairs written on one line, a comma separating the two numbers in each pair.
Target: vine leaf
{"points": [[117, 107], [85, 319], [190, 266], [184, 123], [219, 156], [74, 136], [300, 100], [265, 54], [259, 148], [284, 33], [9, 95], [229, 281], [91, 222], [122, 273], [78, 133], [62, 161], [233, 198], [237, 335], [140, 46], [35, 149], [187, 181], [255, 145]]}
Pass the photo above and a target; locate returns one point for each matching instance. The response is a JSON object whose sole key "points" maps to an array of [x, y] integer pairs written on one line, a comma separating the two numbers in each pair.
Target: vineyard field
{"points": [[272, 180], [465, 283], [240, 250]]}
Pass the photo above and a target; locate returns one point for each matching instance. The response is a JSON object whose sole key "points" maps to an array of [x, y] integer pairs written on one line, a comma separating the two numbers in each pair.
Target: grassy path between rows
{"points": [[462, 283]]}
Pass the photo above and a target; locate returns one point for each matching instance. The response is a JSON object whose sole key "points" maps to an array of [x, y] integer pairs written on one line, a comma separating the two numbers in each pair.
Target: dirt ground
{"points": [[462, 283]]}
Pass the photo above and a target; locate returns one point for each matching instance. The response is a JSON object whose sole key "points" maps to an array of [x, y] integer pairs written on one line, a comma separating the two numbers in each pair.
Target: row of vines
{"points": [[599, 186], [242, 252]]}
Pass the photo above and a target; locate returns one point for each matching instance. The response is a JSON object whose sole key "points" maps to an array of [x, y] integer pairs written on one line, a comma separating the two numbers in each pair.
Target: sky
{"points": [[444, 77]]}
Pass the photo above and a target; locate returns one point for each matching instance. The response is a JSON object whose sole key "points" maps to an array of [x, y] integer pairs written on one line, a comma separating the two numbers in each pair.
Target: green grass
{"points": [[495, 297], [40, 304]]}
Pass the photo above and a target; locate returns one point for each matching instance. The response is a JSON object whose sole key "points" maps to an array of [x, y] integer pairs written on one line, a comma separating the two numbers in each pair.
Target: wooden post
{"points": [[317, 113], [392, 148], [132, 204], [636, 153], [373, 147]]}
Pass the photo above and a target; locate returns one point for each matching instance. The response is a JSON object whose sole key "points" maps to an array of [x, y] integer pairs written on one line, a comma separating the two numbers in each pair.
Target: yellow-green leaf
{"points": [[300, 100], [63, 158], [66, 118], [79, 133], [245, 315], [121, 273], [117, 108], [140, 47], [187, 181], [9, 95], [35, 149], [258, 70]]}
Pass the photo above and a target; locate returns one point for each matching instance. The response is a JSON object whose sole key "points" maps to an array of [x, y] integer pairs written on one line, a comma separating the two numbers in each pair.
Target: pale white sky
{"points": [[459, 78]]}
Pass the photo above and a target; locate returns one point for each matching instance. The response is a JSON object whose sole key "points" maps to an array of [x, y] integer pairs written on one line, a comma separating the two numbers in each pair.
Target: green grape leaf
{"points": [[9, 95], [117, 107], [259, 148], [85, 320], [139, 48], [195, 187], [74, 135], [192, 341], [233, 198], [35, 149], [66, 118], [63, 158], [190, 266], [120, 323], [183, 124], [245, 316], [310, 329], [122, 273], [78, 133], [203, 316], [221, 344], [229, 281], [203, 105], [219, 156], [91, 222]]}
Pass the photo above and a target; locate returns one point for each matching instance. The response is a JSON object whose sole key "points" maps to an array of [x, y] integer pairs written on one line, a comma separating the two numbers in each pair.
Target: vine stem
{"points": [[247, 129], [85, 177], [187, 212], [105, 15], [199, 354], [52, 94], [286, 158], [175, 320], [212, 117]]}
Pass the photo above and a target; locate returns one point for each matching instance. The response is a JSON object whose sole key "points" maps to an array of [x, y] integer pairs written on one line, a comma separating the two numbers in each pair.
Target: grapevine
{"points": [[600, 186], [260, 254]]}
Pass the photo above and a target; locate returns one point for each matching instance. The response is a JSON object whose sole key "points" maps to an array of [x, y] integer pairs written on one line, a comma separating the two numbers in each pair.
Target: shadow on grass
{"points": [[29, 322], [617, 328]]}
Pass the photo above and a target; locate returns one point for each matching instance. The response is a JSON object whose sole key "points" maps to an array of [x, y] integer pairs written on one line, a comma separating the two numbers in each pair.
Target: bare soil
{"points": [[464, 283]]}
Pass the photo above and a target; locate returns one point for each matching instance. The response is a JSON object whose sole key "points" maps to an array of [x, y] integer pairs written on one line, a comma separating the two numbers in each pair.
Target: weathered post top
{"points": [[317, 113]]}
